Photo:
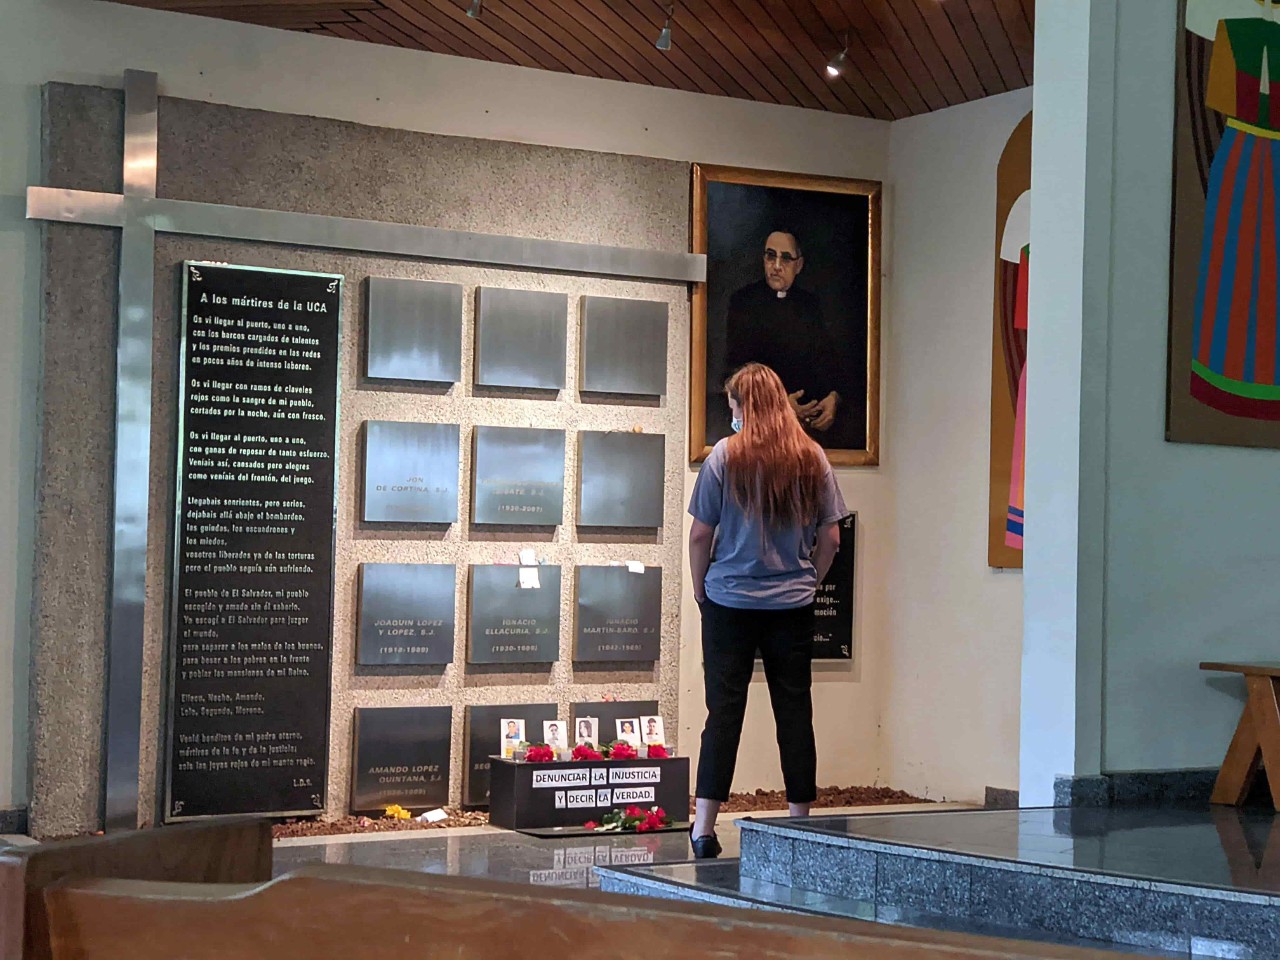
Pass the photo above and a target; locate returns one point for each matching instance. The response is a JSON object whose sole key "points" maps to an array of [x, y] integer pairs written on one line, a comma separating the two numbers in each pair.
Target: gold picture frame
{"points": [[746, 204]]}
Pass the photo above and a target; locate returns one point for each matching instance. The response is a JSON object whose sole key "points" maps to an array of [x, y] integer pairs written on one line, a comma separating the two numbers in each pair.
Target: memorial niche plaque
{"points": [[483, 740], [519, 476], [510, 623], [521, 338], [624, 346], [414, 330], [619, 614], [406, 613], [401, 755], [410, 472], [621, 479], [833, 605], [250, 642]]}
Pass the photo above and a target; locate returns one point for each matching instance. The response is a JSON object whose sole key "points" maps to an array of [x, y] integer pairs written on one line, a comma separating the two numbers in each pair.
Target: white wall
{"points": [[85, 41], [953, 626]]}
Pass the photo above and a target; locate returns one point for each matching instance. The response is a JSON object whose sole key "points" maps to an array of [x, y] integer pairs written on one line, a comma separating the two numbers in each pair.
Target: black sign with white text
{"points": [[250, 642], [833, 605]]}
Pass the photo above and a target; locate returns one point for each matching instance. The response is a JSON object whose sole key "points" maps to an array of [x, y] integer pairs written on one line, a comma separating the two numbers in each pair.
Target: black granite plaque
{"points": [[250, 643], [406, 613], [621, 479], [510, 623], [609, 712], [619, 614], [519, 476], [400, 755], [483, 740], [410, 472], [833, 606]]}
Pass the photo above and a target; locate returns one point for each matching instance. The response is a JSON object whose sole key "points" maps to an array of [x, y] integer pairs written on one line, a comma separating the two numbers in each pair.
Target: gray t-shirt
{"points": [[753, 567]]}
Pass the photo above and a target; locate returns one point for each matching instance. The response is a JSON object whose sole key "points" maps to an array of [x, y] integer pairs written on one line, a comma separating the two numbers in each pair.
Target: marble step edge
{"points": [[641, 881], [749, 829]]}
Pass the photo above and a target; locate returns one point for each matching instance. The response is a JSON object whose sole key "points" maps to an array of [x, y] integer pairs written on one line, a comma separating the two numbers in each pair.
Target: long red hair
{"points": [[775, 470]]}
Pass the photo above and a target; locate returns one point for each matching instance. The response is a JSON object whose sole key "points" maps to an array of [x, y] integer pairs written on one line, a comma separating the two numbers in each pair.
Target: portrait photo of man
{"points": [[792, 266]]}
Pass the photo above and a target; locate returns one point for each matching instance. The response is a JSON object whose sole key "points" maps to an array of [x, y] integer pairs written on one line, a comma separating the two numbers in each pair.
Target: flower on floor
{"points": [[632, 819], [621, 750], [539, 753], [587, 751], [658, 752], [396, 812]]}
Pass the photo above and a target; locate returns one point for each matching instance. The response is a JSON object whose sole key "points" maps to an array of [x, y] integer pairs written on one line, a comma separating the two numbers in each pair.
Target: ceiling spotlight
{"points": [[836, 65], [473, 11], [664, 38]]}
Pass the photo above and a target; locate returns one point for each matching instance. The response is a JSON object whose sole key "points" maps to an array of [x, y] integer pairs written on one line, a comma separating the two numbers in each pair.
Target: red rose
{"points": [[590, 825], [643, 826], [585, 752], [623, 751], [540, 754], [660, 813], [658, 752], [634, 812]]}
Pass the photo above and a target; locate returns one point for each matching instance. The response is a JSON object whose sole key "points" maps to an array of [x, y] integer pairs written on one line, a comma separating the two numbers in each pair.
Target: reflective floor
{"points": [[1215, 847], [499, 854]]}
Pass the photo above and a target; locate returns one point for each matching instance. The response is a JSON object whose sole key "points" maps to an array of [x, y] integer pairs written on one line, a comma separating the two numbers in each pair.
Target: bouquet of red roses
{"points": [[539, 753], [585, 751], [621, 750], [632, 819]]}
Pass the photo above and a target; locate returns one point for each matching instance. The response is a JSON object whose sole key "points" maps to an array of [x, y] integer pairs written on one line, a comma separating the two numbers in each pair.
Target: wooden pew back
{"points": [[353, 913], [215, 851]]}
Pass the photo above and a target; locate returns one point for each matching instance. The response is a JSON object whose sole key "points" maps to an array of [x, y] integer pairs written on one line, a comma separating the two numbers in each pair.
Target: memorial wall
{"points": [[449, 464]]}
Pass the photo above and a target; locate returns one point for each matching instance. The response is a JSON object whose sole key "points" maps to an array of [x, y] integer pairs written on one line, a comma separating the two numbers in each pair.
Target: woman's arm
{"points": [[700, 538], [824, 552]]}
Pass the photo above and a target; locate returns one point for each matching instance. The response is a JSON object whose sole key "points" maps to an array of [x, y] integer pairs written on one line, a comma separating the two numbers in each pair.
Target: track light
{"points": [[663, 42], [473, 11], [836, 65]]}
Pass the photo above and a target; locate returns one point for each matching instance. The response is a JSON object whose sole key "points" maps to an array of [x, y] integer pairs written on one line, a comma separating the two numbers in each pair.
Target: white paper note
{"points": [[529, 578], [528, 557], [635, 566]]}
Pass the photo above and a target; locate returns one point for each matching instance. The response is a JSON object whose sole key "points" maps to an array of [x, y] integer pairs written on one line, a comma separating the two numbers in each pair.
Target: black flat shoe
{"points": [[705, 848]]}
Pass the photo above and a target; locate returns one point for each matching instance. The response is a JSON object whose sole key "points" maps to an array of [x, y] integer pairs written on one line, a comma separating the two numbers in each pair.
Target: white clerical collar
{"points": [[782, 294]]}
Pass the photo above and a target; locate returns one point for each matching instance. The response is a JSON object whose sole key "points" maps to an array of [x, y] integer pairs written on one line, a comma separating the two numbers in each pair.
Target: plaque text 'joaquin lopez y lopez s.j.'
{"points": [[251, 638]]}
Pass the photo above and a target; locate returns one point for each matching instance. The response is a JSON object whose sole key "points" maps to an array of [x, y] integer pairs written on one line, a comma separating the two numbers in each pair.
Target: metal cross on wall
{"points": [[139, 215]]}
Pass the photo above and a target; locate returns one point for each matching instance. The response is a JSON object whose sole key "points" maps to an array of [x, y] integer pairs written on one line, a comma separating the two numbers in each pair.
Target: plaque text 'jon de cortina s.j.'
{"points": [[250, 643]]}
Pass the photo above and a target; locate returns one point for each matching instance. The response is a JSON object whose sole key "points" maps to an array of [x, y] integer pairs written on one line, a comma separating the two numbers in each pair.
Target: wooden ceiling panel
{"points": [[904, 57]]}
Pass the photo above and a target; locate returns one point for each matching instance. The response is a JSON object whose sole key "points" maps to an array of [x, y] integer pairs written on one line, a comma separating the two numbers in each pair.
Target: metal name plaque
{"points": [[521, 338], [621, 478], [414, 330], [401, 756], [251, 637], [624, 346], [483, 740], [410, 472], [511, 624], [406, 613], [519, 476], [619, 614], [833, 606]]}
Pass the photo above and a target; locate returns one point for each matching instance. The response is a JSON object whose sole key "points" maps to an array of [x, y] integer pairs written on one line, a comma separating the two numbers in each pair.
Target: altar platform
{"points": [[1170, 882]]}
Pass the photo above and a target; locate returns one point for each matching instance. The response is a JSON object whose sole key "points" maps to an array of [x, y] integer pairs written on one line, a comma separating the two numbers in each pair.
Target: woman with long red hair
{"points": [[765, 512]]}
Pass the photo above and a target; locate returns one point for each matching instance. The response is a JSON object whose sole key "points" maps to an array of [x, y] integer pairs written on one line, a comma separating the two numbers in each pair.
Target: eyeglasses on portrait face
{"points": [[772, 256]]}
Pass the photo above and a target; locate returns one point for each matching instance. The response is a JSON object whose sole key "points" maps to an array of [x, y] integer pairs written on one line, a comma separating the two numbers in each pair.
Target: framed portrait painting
{"points": [[793, 268]]}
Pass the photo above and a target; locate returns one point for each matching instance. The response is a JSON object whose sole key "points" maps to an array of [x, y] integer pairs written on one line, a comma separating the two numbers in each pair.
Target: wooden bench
{"points": [[1256, 743], [210, 852], [354, 913]]}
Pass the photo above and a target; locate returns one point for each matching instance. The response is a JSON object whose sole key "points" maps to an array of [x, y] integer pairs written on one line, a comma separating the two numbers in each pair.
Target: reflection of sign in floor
{"points": [[833, 606]]}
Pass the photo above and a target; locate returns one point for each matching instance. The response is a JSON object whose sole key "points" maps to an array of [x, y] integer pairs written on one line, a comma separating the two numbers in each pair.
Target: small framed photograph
{"points": [[629, 731], [651, 731], [588, 731], [512, 736], [554, 734]]}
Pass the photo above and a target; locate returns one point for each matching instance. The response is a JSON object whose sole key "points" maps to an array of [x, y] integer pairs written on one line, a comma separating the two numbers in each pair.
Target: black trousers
{"points": [[730, 639]]}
